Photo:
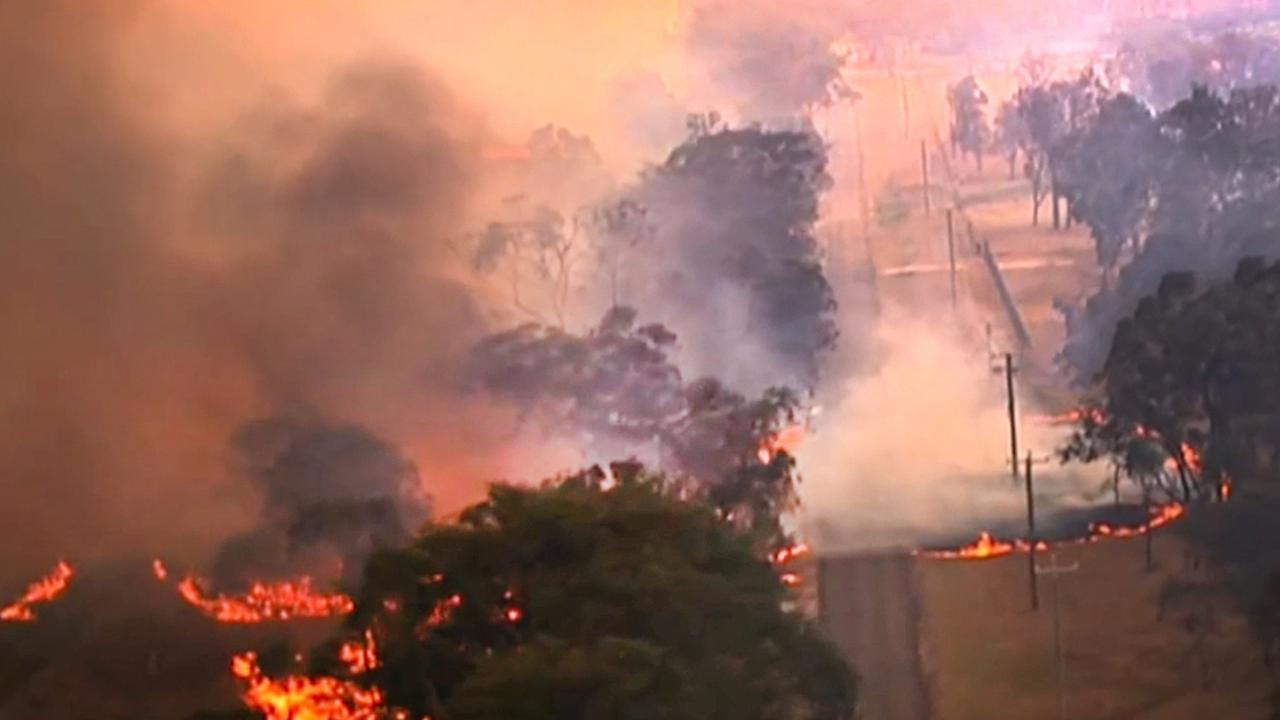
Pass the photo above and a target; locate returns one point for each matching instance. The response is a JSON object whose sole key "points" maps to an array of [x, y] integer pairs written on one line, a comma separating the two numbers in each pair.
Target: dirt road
{"points": [[869, 606]]}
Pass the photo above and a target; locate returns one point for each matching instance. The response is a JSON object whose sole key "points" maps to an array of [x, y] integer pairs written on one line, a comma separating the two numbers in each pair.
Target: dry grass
{"points": [[991, 658]]}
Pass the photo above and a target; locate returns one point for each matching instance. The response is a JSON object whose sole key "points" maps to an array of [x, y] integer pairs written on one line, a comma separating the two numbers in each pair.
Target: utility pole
{"points": [[951, 252], [924, 173], [1013, 413], [1008, 370], [1054, 570], [906, 108], [1031, 533], [1031, 538], [864, 204]]}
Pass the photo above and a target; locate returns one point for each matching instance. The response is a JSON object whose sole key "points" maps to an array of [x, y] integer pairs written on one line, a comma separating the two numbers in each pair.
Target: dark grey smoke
{"points": [[332, 489], [140, 328]]}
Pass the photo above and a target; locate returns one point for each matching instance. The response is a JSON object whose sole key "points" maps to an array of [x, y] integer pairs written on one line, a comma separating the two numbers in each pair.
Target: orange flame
{"points": [[787, 554], [299, 697], [304, 698], [788, 439], [1071, 417], [1160, 516], [277, 601], [44, 590], [360, 657], [984, 548], [987, 547], [784, 556]]}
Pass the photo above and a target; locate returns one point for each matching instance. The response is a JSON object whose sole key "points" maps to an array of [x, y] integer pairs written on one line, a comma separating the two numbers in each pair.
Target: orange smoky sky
{"points": [[217, 211]]}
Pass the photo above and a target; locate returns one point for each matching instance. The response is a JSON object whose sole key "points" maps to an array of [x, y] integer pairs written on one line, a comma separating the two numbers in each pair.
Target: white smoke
{"points": [[916, 449]]}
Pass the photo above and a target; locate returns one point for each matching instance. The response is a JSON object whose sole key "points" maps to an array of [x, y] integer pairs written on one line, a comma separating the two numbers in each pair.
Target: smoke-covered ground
{"points": [[915, 451]]}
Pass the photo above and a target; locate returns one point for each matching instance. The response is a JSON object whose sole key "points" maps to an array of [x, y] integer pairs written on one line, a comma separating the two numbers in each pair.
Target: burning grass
{"points": [[987, 546], [300, 697], [284, 600], [44, 590]]}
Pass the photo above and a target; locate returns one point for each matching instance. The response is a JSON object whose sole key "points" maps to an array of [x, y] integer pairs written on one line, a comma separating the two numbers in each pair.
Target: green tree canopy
{"points": [[598, 595]]}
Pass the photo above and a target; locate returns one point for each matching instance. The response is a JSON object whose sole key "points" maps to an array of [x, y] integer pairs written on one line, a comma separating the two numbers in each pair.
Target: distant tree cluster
{"points": [[970, 132], [718, 243], [598, 595], [1160, 68], [1194, 187]]}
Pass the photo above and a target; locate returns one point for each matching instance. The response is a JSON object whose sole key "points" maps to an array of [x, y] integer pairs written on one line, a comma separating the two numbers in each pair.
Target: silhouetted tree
{"points": [[969, 130]]}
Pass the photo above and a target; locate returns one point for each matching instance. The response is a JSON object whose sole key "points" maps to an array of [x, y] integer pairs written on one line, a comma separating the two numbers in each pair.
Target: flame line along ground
{"points": [[988, 547], [44, 590]]}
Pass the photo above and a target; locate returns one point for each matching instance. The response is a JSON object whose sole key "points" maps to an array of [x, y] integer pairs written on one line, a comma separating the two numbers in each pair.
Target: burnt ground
{"points": [[869, 606]]}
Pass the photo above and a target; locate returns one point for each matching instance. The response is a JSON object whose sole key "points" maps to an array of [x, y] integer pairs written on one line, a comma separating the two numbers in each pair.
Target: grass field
{"points": [[1136, 648], [990, 657]]}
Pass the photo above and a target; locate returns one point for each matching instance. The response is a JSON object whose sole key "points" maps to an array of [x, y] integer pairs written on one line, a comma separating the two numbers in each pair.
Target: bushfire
{"points": [[285, 600], [987, 546], [298, 697], [44, 590], [788, 439]]}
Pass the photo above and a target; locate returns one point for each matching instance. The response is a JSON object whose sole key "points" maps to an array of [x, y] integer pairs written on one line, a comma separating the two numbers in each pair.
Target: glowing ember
{"points": [[1072, 417], [44, 590], [440, 614], [1191, 458], [790, 579], [360, 657], [788, 439], [277, 601], [787, 554], [159, 570]]}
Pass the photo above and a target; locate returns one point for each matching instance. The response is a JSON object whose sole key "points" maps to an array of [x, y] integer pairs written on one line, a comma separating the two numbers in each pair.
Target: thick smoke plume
{"points": [[729, 260], [162, 285], [329, 492]]}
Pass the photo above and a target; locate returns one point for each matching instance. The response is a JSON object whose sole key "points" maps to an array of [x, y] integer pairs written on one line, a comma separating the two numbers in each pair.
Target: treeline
{"points": [[1193, 187]]}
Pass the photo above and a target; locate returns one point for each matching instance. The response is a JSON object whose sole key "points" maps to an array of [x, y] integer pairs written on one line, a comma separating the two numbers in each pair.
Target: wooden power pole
{"points": [[1013, 413], [924, 173], [951, 253]]}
